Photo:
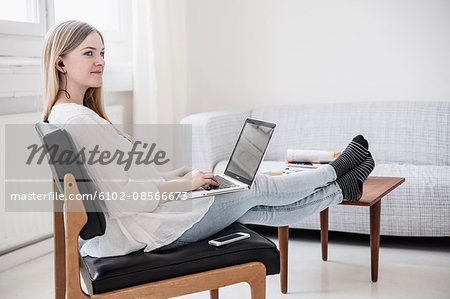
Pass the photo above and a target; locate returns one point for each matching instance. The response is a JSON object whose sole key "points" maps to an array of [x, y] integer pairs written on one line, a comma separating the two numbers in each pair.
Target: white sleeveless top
{"points": [[126, 232]]}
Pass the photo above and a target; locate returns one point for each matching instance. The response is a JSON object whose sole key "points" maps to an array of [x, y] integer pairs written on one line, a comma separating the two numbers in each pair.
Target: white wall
{"points": [[262, 52]]}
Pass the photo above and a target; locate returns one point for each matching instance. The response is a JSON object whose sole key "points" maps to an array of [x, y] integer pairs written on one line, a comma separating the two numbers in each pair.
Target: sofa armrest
{"points": [[214, 135]]}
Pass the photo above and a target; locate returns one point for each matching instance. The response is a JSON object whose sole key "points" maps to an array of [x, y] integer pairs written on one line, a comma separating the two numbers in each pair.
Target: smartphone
{"points": [[228, 239]]}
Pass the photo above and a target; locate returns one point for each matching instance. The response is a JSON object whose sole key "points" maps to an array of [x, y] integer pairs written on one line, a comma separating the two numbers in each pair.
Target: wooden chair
{"points": [[175, 272]]}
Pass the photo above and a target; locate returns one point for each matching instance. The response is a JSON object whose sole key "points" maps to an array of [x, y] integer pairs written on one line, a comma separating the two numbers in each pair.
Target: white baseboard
{"points": [[25, 254]]}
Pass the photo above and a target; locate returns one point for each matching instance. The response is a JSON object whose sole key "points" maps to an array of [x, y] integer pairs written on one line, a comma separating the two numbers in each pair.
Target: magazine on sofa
{"points": [[299, 160]]}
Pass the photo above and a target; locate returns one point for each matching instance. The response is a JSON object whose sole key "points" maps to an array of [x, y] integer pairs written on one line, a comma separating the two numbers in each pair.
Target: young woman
{"points": [[73, 64]]}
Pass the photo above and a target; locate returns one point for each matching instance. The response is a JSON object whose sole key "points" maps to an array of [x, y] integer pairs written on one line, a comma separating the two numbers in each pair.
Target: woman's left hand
{"points": [[181, 172], [176, 174]]}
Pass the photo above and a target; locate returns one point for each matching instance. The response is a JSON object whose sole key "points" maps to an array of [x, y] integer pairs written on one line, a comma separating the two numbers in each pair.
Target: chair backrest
{"points": [[53, 138]]}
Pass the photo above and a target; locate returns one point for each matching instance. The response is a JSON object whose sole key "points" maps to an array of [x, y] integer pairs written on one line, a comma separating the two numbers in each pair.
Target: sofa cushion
{"points": [[107, 274], [418, 207], [398, 132]]}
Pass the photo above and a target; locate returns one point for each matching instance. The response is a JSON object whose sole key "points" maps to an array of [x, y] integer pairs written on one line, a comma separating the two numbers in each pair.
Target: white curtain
{"points": [[158, 27]]}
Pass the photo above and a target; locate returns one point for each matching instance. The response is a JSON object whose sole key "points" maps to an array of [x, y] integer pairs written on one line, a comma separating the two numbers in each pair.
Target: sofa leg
{"points": [[214, 294]]}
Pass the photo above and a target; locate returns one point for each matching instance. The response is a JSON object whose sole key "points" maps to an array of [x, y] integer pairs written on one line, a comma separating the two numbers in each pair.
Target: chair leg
{"points": [[59, 259], [375, 211], [59, 247], [258, 284], [75, 218], [214, 294], [283, 241], [324, 233]]}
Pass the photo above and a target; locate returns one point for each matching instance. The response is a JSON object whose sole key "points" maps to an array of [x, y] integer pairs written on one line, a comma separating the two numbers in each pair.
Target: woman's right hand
{"points": [[199, 178]]}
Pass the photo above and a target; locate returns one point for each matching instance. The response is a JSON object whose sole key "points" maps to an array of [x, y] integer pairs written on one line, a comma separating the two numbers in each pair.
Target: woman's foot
{"points": [[351, 183], [352, 156]]}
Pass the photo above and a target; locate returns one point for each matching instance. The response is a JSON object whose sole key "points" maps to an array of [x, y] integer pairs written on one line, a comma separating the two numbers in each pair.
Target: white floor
{"points": [[409, 268]]}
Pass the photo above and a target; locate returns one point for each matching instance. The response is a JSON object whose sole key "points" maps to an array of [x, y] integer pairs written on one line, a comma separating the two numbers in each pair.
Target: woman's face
{"points": [[84, 65]]}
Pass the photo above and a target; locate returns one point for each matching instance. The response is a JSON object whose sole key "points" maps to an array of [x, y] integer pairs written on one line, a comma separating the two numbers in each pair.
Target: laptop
{"points": [[244, 162]]}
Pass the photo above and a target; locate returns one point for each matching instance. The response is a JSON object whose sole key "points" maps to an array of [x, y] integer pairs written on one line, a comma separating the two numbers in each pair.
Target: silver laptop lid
{"points": [[249, 150]]}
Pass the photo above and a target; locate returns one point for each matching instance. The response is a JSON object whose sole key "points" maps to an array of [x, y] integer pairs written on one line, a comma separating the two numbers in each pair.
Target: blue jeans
{"points": [[272, 201]]}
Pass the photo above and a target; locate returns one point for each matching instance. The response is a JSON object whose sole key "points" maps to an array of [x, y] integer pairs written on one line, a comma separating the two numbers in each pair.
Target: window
{"points": [[105, 15], [19, 11], [22, 17]]}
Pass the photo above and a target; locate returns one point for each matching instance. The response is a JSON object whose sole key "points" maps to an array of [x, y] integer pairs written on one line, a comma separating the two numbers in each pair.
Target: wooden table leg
{"points": [[375, 211], [324, 233], [283, 241], [214, 294]]}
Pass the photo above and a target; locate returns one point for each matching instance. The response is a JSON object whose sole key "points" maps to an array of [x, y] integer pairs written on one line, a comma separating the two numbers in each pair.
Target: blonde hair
{"points": [[61, 39]]}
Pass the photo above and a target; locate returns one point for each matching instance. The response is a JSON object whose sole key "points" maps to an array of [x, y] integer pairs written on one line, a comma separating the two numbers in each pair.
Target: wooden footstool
{"points": [[375, 188]]}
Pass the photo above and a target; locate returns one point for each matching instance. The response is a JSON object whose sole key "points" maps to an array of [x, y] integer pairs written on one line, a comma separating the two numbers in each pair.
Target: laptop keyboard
{"points": [[223, 183]]}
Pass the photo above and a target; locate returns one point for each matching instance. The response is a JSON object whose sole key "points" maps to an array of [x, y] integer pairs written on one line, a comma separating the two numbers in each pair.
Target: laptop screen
{"points": [[249, 150]]}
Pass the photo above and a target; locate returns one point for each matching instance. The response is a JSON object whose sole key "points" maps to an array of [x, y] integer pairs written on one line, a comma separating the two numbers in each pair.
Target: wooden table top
{"points": [[375, 187]]}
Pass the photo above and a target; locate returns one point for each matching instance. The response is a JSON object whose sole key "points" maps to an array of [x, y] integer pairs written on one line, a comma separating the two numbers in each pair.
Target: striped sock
{"points": [[351, 183], [352, 156]]}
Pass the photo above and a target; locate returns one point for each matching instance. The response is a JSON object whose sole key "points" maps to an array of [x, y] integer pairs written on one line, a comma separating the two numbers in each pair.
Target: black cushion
{"points": [[107, 274], [59, 141]]}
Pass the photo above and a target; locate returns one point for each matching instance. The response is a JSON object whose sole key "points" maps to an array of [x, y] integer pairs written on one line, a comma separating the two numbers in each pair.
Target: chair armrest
{"points": [[214, 135]]}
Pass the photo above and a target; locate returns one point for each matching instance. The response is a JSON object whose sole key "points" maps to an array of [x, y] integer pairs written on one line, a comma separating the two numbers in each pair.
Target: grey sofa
{"points": [[407, 139]]}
